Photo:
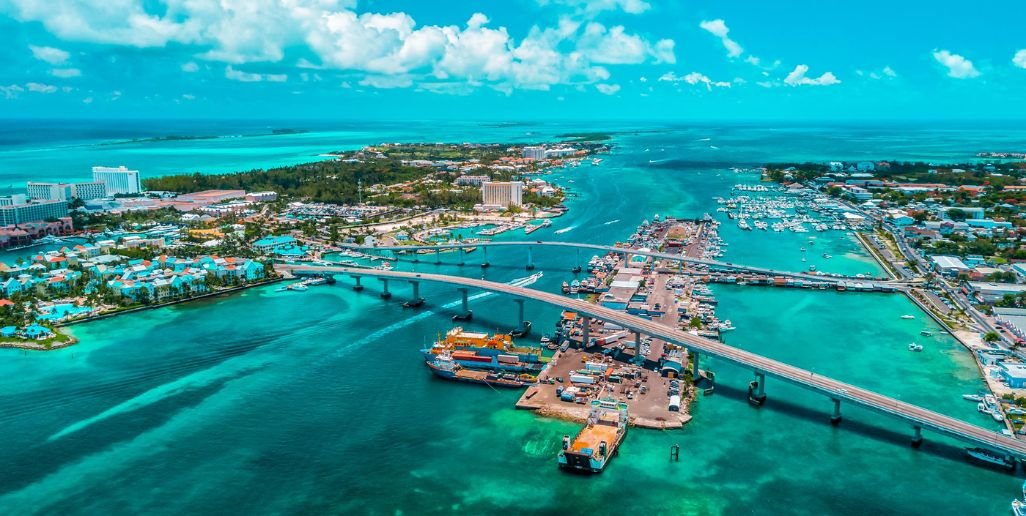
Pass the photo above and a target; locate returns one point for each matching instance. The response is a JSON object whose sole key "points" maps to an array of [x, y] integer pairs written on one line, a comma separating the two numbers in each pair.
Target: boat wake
{"points": [[564, 230], [614, 221], [224, 371]]}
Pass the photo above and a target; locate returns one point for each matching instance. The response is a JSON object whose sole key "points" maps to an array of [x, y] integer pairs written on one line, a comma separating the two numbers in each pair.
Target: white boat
{"points": [[915, 347], [906, 316], [972, 397], [727, 326], [1018, 508]]}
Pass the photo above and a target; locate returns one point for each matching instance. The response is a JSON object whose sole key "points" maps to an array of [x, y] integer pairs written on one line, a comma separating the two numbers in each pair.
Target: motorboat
{"points": [[915, 347], [906, 316]]}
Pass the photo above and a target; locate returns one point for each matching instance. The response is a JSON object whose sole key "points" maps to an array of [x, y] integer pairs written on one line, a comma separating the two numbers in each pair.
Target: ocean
{"points": [[287, 402]]}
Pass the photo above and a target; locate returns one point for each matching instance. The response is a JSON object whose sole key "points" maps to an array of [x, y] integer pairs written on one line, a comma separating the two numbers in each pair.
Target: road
{"points": [[912, 414], [610, 249]]}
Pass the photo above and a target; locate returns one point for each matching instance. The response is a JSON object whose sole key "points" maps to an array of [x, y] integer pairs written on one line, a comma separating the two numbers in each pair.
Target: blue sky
{"points": [[523, 59]]}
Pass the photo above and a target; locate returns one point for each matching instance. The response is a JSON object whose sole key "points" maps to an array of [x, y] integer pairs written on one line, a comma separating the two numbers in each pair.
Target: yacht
{"points": [[906, 316], [915, 347]]}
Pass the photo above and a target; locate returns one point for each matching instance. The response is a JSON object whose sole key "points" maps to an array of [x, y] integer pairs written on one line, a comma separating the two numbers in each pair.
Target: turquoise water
{"points": [[286, 402]]}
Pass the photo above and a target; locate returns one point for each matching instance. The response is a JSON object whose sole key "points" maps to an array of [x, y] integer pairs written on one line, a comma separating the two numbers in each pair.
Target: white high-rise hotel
{"points": [[495, 193], [118, 180]]}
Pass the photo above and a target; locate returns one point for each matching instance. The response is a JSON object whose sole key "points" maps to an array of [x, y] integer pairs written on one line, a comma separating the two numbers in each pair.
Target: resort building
{"points": [[66, 191], [468, 180], [502, 194], [118, 180], [534, 152], [12, 214]]}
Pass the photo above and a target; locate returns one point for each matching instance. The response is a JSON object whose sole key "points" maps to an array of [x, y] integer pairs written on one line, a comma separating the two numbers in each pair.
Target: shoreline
{"points": [[72, 339]]}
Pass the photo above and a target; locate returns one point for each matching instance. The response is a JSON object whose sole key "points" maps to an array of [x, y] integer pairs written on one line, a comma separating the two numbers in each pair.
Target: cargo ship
{"points": [[480, 351], [599, 440], [444, 366]]}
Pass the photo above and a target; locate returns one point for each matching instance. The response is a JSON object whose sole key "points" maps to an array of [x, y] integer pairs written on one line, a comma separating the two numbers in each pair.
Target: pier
{"points": [[838, 392]]}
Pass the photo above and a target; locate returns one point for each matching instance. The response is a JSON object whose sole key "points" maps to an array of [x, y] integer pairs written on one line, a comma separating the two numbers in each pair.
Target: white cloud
{"points": [[331, 35], [11, 91], [592, 7], [694, 78], [241, 76], [65, 73], [798, 78], [40, 88], [1020, 58], [958, 66], [607, 89], [719, 29], [54, 56]]}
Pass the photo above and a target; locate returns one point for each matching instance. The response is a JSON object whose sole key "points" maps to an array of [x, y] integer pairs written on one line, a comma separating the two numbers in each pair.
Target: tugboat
{"points": [[414, 303], [521, 332], [989, 458], [598, 442]]}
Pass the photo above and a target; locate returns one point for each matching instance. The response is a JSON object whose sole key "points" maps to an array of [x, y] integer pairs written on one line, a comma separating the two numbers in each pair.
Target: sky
{"points": [[513, 59]]}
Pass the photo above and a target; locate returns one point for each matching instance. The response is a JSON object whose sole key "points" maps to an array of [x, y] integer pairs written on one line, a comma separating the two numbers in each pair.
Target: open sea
{"points": [[317, 402]]}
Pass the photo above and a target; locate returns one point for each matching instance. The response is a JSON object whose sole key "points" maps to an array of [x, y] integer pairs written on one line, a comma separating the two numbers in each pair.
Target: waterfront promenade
{"points": [[712, 264], [918, 417]]}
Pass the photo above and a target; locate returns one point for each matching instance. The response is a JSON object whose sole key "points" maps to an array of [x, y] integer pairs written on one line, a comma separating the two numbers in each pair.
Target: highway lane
{"points": [[834, 389]]}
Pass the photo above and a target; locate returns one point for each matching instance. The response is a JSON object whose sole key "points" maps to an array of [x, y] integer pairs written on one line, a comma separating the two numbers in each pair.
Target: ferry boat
{"points": [[444, 366], [596, 443], [481, 351], [985, 456]]}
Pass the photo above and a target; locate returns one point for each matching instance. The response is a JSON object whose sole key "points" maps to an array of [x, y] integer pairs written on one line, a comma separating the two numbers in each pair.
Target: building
{"points": [[262, 196], [1013, 374], [502, 194], [13, 214], [66, 191], [990, 292], [949, 265], [534, 152], [118, 180], [468, 180]]}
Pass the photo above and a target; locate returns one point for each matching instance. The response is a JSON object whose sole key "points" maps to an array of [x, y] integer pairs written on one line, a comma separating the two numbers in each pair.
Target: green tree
{"points": [[991, 336]]}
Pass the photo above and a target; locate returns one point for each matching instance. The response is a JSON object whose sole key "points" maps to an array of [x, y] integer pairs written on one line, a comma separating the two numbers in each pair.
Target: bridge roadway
{"points": [[834, 389], [607, 249]]}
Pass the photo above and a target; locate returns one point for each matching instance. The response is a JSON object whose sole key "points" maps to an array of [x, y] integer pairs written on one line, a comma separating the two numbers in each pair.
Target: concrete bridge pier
{"points": [[695, 372], [461, 258], [835, 418], [438, 256], [485, 262], [465, 314], [358, 287], [530, 260], [757, 390], [416, 289], [917, 436], [586, 337], [522, 324], [385, 294], [638, 357]]}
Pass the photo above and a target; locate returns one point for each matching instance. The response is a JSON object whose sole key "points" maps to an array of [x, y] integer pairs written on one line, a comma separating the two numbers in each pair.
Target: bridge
{"points": [[917, 417], [712, 264]]}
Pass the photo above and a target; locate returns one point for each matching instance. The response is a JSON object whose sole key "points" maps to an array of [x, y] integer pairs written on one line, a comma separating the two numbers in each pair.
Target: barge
{"points": [[445, 367], [599, 440]]}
